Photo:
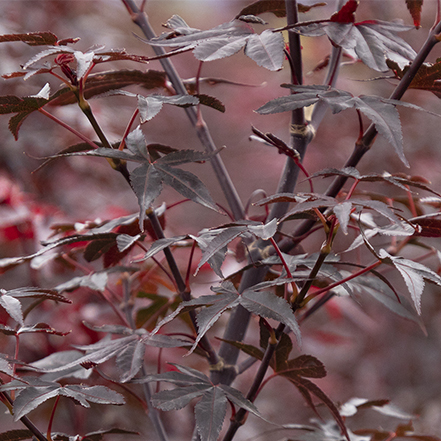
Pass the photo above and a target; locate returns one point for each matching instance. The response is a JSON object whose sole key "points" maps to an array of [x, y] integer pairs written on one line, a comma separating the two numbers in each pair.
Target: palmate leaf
{"points": [[371, 41], [129, 350], [399, 180], [31, 397], [266, 49], [382, 112], [23, 107], [262, 303], [210, 413], [214, 242], [413, 273], [382, 292], [210, 410], [308, 366]]}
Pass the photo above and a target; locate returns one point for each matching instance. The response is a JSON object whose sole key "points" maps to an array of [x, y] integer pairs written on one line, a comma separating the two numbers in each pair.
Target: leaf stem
{"points": [[68, 127], [51, 419]]}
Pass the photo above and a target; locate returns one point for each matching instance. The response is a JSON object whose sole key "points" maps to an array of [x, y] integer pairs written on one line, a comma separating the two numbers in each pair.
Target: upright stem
{"points": [[301, 136], [154, 415]]}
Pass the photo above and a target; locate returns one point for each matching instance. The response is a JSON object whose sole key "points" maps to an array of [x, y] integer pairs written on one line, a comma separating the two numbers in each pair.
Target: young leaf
{"points": [[414, 7]]}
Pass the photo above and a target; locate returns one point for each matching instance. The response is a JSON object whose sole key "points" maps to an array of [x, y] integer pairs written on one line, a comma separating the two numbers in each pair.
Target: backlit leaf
{"points": [[12, 307], [266, 49]]}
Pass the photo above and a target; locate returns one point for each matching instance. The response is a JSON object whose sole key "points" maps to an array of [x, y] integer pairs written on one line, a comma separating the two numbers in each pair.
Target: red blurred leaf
{"points": [[346, 14], [414, 7], [427, 78], [102, 82], [428, 227], [277, 7]]}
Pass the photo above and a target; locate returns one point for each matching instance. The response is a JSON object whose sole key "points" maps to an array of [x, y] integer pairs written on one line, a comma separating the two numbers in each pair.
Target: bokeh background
{"points": [[368, 351]]}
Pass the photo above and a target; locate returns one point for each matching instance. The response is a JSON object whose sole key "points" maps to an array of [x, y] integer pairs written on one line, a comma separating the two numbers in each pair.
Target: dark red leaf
{"points": [[346, 13], [32, 38], [414, 7], [276, 7], [104, 81], [428, 227]]}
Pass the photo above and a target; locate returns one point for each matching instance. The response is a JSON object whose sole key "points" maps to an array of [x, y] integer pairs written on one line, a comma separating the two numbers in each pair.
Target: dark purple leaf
{"points": [[99, 435], [268, 305], [210, 413], [178, 398], [146, 181], [100, 83], [210, 101], [41, 327], [60, 359], [413, 273], [187, 184]]}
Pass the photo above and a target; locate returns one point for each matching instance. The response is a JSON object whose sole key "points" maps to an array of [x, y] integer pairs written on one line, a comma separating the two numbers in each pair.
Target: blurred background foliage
{"points": [[368, 351]]}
